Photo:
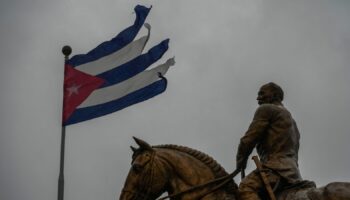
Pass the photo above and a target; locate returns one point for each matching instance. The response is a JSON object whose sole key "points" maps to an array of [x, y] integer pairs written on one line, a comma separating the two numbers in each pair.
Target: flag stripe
{"points": [[120, 57], [83, 114], [131, 85], [135, 66], [118, 42]]}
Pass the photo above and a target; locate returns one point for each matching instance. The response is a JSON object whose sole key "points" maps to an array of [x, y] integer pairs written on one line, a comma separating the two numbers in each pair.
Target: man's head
{"points": [[270, 93]]}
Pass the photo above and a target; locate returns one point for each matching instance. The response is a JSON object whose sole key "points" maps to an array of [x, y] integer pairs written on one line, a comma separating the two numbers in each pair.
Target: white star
{"points": [[74, 89]]}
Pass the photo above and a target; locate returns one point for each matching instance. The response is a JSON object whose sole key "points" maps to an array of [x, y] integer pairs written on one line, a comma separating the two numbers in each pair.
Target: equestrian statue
{"points": [[188, 174]]}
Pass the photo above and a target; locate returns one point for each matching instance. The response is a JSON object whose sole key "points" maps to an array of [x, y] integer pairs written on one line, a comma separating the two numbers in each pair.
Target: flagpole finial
{"points": [[66, 50]]}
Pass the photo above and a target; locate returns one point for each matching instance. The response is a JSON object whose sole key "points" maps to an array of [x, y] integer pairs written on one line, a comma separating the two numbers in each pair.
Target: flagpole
{"points": [[66, 50]]}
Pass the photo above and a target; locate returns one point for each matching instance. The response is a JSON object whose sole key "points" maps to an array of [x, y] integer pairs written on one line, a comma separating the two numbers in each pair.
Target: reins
{"points": [[225, 179], [145, 195], [151, 175]]}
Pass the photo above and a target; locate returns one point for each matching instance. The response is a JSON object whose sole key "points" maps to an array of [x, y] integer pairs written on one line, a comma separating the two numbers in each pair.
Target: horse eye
{"points": [[137, 168]]}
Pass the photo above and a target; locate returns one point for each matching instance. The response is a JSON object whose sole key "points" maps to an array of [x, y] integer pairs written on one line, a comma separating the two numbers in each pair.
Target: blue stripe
{"points": [[83, 114], [134, 66], [118, 42]]}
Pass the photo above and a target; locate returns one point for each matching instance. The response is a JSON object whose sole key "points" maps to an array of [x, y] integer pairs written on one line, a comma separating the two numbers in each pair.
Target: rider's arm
{"points": [[254, 134]]}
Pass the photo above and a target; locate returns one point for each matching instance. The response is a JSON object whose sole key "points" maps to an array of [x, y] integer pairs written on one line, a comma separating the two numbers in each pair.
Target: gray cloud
{"points": [[224, 52]]}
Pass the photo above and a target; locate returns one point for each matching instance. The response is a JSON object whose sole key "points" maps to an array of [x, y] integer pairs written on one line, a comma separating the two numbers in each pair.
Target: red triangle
{"points": [[77, 87]]}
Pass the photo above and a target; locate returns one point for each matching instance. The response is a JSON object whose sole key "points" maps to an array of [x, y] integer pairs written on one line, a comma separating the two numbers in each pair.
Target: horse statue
{"points": [[188, 174]]}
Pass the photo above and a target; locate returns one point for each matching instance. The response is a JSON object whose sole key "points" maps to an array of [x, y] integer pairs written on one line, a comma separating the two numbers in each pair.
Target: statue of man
{"points": [[275, 135]]}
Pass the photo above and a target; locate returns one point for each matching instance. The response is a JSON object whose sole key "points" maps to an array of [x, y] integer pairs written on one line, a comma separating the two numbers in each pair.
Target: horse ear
{"points": [[143, 145], [133, 149]]}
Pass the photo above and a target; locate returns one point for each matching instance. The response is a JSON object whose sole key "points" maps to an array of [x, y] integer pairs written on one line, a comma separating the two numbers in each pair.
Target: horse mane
{"points": [[217, 169]]}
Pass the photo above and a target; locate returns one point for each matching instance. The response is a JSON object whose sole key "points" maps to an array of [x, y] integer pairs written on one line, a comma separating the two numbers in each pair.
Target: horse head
{"points": [[146, 179], [183, 172]]}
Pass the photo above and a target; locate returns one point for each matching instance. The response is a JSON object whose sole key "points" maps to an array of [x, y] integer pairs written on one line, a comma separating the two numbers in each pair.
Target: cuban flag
{"points": [[113, 75]]}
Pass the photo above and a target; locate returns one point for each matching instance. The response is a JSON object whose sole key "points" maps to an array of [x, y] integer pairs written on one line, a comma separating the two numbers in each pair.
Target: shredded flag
{"points": [[117, 58], [118, 42], [113, 75]]}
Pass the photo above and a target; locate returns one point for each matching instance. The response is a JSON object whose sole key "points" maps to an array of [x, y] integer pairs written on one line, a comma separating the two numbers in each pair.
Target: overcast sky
{"points": [[224, 50]]}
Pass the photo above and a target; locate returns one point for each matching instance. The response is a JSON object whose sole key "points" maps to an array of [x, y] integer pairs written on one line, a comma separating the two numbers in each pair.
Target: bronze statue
{"points": [[275, 135], [188, 174]]}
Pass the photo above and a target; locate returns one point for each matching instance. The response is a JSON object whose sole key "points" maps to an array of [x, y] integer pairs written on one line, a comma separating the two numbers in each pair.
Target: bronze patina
{"points": [[182, 172], [275, 135], [188, 174]]}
